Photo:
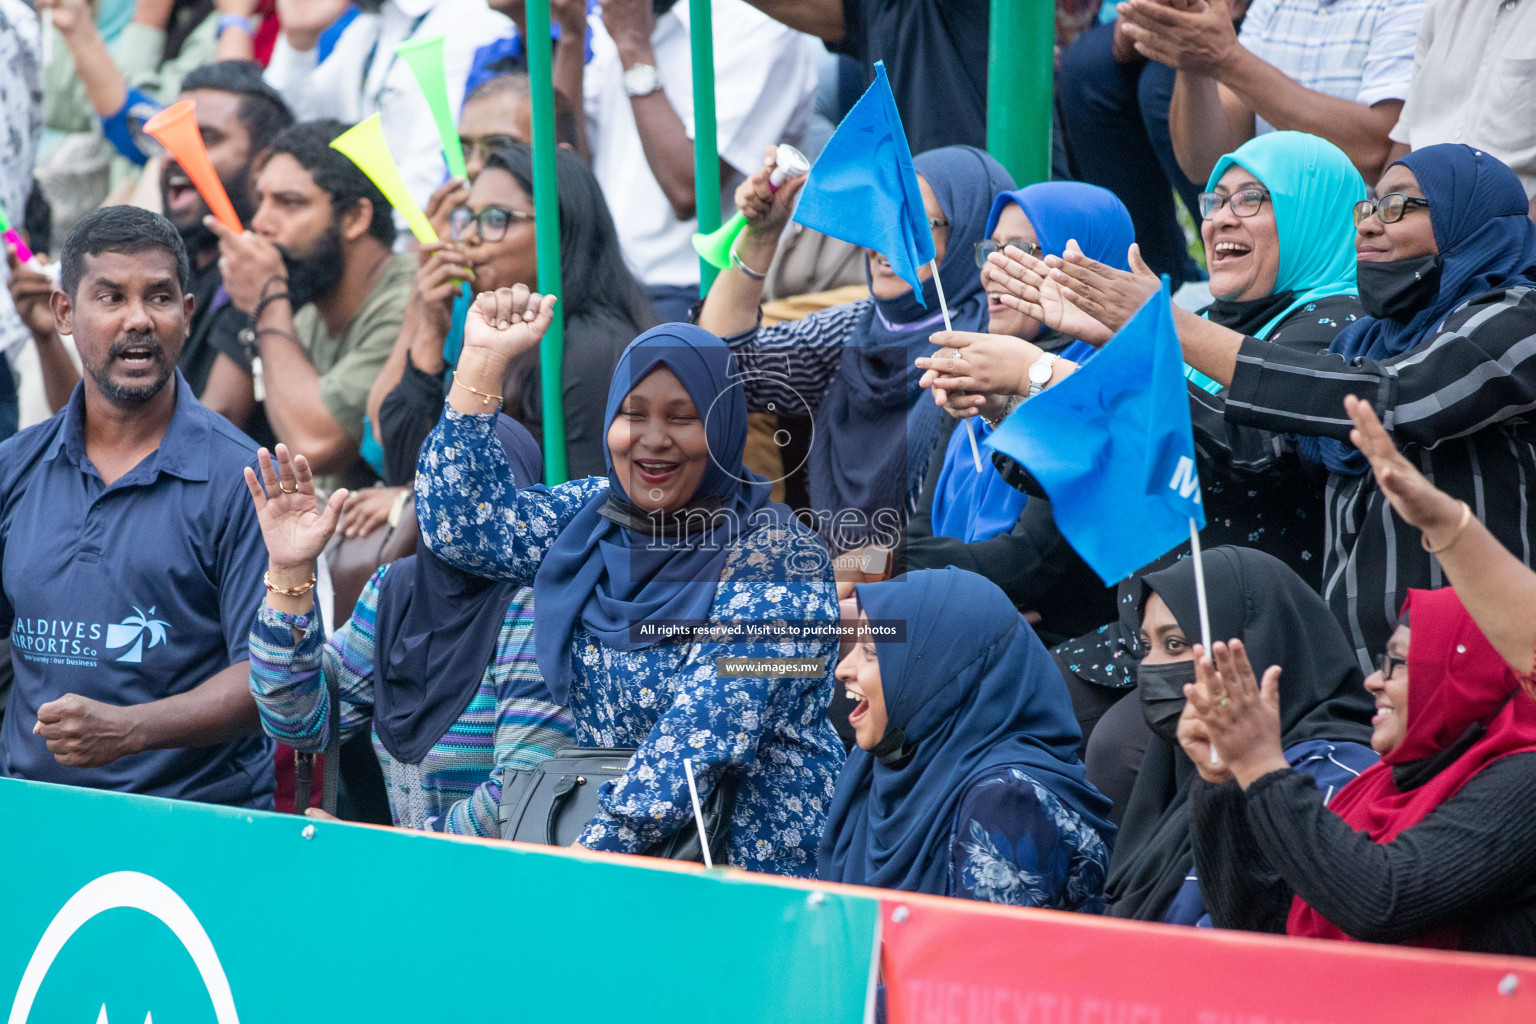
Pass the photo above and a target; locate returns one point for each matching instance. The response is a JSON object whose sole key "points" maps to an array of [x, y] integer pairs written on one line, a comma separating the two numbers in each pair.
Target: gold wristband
{"points": [[266, 578], [485, 397], [1466, 517]]}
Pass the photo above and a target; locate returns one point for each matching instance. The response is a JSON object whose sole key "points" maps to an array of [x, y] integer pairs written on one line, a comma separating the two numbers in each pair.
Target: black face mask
{"points": [[1162, 695], [1400, 288]]}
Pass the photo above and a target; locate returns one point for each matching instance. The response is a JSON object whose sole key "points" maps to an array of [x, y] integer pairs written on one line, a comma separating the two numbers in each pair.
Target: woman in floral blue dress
{"points": [[966, 781], [680, 532]]}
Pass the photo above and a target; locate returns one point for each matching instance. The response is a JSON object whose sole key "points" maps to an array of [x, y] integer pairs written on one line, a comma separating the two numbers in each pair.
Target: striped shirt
{"points": [[1457, 404], [509, 723], [786, 368], [1357, 50]]}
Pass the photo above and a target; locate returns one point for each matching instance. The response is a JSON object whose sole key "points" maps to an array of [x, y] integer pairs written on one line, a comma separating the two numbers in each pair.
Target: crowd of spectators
{"points": [[280, 490]]}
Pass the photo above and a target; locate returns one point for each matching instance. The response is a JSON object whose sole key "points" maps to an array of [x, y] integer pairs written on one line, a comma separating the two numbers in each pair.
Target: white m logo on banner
{"points": [[141, 892], [1185, 480]]}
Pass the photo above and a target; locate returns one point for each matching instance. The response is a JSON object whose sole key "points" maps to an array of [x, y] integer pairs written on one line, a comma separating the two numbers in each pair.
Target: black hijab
{"points": [[1256, 598], [436, 630]]}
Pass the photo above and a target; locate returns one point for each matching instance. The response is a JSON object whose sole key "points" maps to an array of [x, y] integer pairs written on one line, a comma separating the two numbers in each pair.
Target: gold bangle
{"points": [[266, 578], [1466, 517], [485, 397]]}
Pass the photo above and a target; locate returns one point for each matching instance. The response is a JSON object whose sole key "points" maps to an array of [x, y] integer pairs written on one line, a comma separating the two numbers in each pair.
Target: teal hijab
{"points": [[1313, 189]]}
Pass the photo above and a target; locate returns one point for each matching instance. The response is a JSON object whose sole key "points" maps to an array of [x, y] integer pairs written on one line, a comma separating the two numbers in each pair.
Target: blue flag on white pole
{"points": [[1112, 447], [863, 188]]}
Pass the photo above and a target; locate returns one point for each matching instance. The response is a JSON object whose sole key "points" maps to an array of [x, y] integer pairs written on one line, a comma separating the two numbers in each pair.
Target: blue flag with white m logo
{"points": [[1112, 447], [863, 188]]}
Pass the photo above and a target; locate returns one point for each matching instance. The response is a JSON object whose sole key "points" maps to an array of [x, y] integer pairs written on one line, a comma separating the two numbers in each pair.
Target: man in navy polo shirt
{"points": [[130, 557]]}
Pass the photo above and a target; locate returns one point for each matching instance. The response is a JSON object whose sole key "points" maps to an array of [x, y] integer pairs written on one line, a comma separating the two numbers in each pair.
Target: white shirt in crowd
{"points": [[363, 76], [765, 83], [1474, 81], [1357, 50], [21, 127]]}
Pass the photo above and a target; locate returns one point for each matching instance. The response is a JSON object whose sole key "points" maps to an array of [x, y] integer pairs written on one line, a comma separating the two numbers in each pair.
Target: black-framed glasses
{"points": [[1386, 664], [491, 222], [1245, 203], [1388, 208], [987, 247]]}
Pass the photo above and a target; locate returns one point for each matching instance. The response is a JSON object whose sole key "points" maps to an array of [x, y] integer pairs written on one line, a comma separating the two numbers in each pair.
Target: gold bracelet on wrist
{"points": [[485, 397], [1466, 517], [266, 578]]}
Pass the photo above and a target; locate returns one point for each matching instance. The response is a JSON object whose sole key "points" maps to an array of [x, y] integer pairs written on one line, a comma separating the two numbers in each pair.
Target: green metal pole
{"points": [[1020, 65], [706, 155], [546, 214]]}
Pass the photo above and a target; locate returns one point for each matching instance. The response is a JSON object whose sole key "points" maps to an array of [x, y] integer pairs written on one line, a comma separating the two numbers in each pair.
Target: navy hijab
{"points": [[974, 506], [1480, 216], [436, 631], [875, 428], [974, 692], [607, 570]]}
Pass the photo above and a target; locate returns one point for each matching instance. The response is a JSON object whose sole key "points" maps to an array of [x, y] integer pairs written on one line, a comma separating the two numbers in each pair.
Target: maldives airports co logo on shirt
{"points": [[131, 889], [73, 642]]}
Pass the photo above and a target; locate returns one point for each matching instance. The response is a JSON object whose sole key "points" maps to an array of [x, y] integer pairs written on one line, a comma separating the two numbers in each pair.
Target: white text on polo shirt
{"points": [[69, 640]]}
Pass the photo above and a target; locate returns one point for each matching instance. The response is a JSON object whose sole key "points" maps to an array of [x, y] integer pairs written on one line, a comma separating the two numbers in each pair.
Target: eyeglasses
{"points": [[987, 247], [1244, 204], [1386, 664], [1389, 208], [485, 145], [491, 222]]}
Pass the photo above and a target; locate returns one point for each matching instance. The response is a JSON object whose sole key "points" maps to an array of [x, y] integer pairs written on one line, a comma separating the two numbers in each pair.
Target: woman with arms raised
{"points": [[439, 663], [1431, 847], [679, 531], [966, 781], [1447, 274], [1279, 245]]}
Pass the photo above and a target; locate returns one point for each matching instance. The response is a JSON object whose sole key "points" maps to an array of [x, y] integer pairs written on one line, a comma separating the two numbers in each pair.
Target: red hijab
{"points": [[1455, 680]]}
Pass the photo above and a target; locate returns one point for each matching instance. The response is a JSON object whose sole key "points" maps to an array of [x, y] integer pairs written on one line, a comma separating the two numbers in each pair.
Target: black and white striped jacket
{"points": [[1458, 404]]}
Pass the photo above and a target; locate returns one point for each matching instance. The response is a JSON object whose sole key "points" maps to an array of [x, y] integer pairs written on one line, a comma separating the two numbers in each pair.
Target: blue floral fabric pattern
{"points": [[1017, 844], [667, 700]]}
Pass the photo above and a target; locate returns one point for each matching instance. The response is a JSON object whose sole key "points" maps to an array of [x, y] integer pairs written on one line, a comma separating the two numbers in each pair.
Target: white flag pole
{"points": [[970, 431], [698, 812], [1205, 609]]}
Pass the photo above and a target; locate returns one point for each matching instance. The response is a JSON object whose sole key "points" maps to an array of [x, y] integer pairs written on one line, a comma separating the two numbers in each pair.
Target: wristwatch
{"points": [[641, 80], [1040, 373]]}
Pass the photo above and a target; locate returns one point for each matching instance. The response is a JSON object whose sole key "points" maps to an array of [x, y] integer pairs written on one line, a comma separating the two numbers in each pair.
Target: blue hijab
{"points": [[1312, 185], [606, 576], [1480, 216], [974, 692], [974, 506], [875, 427]]}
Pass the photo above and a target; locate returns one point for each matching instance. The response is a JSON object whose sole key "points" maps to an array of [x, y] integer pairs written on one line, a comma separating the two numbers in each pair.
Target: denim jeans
{"points": [[1115, 118]]}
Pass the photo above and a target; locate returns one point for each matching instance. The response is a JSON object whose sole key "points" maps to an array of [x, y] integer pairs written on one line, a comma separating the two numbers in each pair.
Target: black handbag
{"points": [[552, 803]]}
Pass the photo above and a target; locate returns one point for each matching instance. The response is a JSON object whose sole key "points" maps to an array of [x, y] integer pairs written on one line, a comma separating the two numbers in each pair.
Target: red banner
{"points": [[959, 962]]}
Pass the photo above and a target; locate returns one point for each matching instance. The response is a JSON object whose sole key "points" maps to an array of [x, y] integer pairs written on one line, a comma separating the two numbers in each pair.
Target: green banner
{"points": [[127, 910]]}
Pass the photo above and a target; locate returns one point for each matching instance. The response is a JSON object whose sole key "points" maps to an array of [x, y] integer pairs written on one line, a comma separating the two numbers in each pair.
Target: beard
{"points": [[316, 272], [130, 396]]}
